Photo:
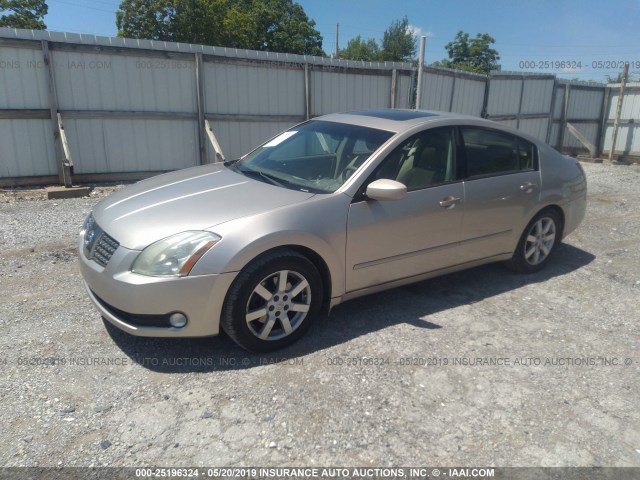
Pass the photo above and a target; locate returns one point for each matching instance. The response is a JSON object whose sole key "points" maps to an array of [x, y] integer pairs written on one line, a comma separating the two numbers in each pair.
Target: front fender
{"points": [[318, 224]]}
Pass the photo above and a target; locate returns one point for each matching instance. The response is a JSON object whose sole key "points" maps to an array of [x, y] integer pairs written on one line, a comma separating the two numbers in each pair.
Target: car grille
{"points": [[104, 249], [98, 245]]}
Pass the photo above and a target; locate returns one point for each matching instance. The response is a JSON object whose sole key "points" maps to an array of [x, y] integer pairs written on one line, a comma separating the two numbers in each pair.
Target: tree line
{"points": [[267, 25]]}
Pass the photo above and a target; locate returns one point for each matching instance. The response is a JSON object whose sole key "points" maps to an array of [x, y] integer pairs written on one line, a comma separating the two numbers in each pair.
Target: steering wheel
{"points": [[347, 172]]}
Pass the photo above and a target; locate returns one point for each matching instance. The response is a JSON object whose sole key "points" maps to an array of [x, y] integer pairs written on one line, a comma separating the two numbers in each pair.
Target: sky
{"points": [[591, 37]]}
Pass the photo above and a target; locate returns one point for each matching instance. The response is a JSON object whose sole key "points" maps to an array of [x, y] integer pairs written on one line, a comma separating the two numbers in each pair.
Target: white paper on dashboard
{"points": [[279, 139]]}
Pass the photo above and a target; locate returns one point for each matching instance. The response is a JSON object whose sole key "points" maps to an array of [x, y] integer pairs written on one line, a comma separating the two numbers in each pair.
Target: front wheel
{"points": [[272, 302], [537, 243]]}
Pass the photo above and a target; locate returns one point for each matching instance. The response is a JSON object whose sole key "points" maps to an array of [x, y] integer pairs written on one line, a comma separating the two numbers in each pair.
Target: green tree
{"points": [[239, 28], [472, 54], [360, 49], [618, 78], [197, 21], [398, 43], [23, 14], [150, 19], [274, 25], [283, 26]]}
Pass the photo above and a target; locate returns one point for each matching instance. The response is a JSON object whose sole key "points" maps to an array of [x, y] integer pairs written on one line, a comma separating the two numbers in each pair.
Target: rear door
{"points": [[501, 189]]}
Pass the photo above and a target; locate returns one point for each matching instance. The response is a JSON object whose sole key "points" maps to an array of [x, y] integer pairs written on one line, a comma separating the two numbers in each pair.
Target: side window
{"points": [[526, 155], [491, 152], [423, 160]]}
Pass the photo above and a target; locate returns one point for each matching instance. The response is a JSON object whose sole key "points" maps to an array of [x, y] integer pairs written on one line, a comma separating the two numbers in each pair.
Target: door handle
{"points": [[528, 187], [450, 201]]}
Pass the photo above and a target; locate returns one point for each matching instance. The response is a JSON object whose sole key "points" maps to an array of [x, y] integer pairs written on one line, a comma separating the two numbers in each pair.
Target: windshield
{"points": [[316, 156]]}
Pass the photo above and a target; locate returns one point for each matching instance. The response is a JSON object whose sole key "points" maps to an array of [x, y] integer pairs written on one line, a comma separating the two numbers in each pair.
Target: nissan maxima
{"points": [[334, 208]]}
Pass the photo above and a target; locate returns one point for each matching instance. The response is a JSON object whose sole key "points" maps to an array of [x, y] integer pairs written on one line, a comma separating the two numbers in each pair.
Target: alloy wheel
{"points": [[540, 240], [278, 305]]}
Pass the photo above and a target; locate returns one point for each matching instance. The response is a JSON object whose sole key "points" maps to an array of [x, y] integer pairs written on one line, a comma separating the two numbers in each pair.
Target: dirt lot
{"points": [[482, 368]]}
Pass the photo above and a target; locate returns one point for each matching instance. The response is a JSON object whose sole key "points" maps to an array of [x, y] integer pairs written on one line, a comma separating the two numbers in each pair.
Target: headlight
{"points": [[88, 224], [174, 256], [88, 233]]}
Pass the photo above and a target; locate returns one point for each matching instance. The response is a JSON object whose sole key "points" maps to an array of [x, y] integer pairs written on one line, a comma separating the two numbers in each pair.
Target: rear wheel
{"points": [[537, 243], [272, 302]]}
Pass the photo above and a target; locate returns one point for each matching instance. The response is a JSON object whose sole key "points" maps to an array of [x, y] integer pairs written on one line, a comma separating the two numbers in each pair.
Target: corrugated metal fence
{"points": [[102, 108], [628, 140]]}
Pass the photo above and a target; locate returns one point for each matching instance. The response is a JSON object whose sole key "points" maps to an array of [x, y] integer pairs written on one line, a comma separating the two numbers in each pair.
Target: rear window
{"points": [[490, 152]]}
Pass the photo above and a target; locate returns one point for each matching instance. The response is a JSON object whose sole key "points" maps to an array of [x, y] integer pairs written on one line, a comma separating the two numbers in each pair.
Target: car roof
{"points": [[401, 120], [394, 120]]}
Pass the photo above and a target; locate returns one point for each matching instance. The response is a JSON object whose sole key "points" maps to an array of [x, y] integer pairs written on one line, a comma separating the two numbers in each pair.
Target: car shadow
{"points": [[409, 304]]}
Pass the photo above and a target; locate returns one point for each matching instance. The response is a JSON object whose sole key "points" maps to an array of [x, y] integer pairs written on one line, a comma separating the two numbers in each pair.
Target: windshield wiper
{"points": [[228, 163], [270, 178]]}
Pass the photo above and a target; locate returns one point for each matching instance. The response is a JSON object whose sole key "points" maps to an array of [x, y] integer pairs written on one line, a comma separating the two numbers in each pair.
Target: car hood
{"points": [[192, 199]]}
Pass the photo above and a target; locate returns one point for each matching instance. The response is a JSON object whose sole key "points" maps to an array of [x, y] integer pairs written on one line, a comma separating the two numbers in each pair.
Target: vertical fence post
{"points": [[394, 87], [520, 104], [64, 168], [453, 92], [563, 118], [307, 92], [602, 128], [485, 99], [614, 136], [552, 109], [423, 41], [202, 147]]}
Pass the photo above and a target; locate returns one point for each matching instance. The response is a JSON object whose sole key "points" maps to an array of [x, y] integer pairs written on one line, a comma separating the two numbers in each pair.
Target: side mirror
{"points": [[385, 189]]}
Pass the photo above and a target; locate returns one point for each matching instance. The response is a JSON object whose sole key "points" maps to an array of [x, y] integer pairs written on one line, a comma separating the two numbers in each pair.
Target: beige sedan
{"points": [[334, 208]]}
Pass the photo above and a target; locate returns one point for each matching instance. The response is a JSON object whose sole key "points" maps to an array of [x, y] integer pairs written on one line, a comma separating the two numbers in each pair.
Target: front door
{"points": [[392, 240]]}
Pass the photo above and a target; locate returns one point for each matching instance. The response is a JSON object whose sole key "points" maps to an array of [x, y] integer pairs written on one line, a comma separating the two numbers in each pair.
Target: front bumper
{"points": [[114, 290]]}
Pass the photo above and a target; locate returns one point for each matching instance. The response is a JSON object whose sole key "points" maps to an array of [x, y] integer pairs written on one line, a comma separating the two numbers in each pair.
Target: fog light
{"points": [[178, 320]]}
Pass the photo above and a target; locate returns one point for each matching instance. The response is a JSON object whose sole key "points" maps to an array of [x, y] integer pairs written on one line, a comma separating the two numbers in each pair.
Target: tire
{"points": [[537, 243], [260, 314]]}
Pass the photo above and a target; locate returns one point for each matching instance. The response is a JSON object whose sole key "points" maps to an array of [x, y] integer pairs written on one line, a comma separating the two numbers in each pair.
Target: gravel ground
{"points": [[75, 392]]}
